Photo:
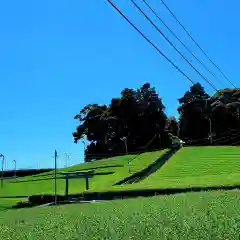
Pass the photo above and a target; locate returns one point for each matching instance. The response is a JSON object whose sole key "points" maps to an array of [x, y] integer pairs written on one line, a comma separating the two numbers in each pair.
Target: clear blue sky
{"points": [[57, 56]]}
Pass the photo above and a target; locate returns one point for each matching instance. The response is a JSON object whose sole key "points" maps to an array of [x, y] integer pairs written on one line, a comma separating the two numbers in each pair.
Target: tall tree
{"points": [[216, 117], [194, 123], [137, 116], [172, 126]]}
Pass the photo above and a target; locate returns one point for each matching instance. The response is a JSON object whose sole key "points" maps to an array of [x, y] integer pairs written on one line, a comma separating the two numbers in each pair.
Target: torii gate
{"points": [[76, 174]]}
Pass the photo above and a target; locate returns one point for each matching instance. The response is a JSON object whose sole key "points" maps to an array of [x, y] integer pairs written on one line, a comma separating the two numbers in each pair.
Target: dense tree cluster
{"points": [[208, 119], [136, 121]]}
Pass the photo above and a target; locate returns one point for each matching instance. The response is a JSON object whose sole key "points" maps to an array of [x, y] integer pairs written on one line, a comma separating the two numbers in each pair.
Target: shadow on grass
{"points": [[102, 167], [141, 175], [84, 169], [62, 177]]}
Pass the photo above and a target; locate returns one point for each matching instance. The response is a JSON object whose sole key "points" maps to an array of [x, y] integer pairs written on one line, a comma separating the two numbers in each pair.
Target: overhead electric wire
{"points": [[149, 41], [183, 44], [196, 43], [156, 27]]}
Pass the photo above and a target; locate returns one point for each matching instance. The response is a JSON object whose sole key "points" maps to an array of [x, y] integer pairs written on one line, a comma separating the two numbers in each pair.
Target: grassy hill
{"points": [[193, 167], [44, 183], [189, 167], [203, 215], [199, 166]]}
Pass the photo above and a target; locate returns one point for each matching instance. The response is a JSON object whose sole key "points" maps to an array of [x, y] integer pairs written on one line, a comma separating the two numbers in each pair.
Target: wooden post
{"points": [[67, 185]]}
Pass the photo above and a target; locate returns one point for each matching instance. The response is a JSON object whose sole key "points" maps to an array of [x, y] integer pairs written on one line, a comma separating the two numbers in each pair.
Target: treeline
{"points": [[136, 121]]}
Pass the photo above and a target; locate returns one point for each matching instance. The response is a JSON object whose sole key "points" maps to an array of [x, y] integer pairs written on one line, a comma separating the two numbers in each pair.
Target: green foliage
{"points": [[198, 110], [206, 215], [138, 116]]}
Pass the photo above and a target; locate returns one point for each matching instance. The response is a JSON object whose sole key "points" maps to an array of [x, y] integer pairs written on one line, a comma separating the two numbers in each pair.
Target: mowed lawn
{"points": [[198, 166], [206, 215], [44, 183]]}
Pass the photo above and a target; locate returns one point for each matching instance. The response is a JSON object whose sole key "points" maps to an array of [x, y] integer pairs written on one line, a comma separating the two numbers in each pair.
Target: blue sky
{"points": [[58, 56]]}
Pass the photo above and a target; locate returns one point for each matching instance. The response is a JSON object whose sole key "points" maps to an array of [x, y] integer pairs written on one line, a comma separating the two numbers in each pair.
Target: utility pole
{"points": [[125, 141], [210, 130], [15, 168], [3, 159], [55, 176], [126, 148], [210, 123]]}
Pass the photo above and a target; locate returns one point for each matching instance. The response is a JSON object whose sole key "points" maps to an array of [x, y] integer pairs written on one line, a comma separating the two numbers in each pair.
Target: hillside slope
{"points": [[106, 173], [199, 166]]}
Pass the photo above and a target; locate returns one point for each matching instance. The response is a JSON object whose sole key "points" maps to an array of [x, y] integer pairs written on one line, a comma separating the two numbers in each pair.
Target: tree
{"points": [[138, 115], [194, 123], [225, 108], [172, 126], [203, 118]]}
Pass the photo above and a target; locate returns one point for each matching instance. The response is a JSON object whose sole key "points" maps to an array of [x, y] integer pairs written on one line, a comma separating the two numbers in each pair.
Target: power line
{"points": [[196, 42], [135, 4], [184, 74], [162, 21]]}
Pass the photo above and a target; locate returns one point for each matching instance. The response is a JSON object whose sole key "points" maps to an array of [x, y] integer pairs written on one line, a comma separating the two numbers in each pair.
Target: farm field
{"points": [[205, 215]]}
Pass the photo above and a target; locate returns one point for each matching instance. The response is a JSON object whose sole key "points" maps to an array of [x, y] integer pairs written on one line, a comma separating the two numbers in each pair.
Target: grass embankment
{"points": [[209, 215], [44, 183], [194, 167]]}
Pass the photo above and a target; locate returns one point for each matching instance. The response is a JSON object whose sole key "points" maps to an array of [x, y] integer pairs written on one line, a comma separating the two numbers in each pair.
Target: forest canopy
{"points": [[136, 121]]}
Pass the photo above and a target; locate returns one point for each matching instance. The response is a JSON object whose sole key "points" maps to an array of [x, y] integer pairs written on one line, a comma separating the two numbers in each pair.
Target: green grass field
{"points": [[190, 167], [203, 215], [206, 215], [194, 166], [44, 184]]}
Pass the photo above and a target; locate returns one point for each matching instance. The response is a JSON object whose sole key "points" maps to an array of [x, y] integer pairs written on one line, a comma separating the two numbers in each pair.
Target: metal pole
{"points": [[2, 169], [55, 176], [126, 145], [210, 122], [210, 130], [15, 168], [67, 184], [87, 181], [125, 140]]}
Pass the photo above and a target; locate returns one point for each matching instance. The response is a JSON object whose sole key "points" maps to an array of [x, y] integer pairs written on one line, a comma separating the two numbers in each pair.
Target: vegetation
{"points": [[221, 110], [194, 166], [44, 183], [137, 118], [190, 167], [213, 215]]}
